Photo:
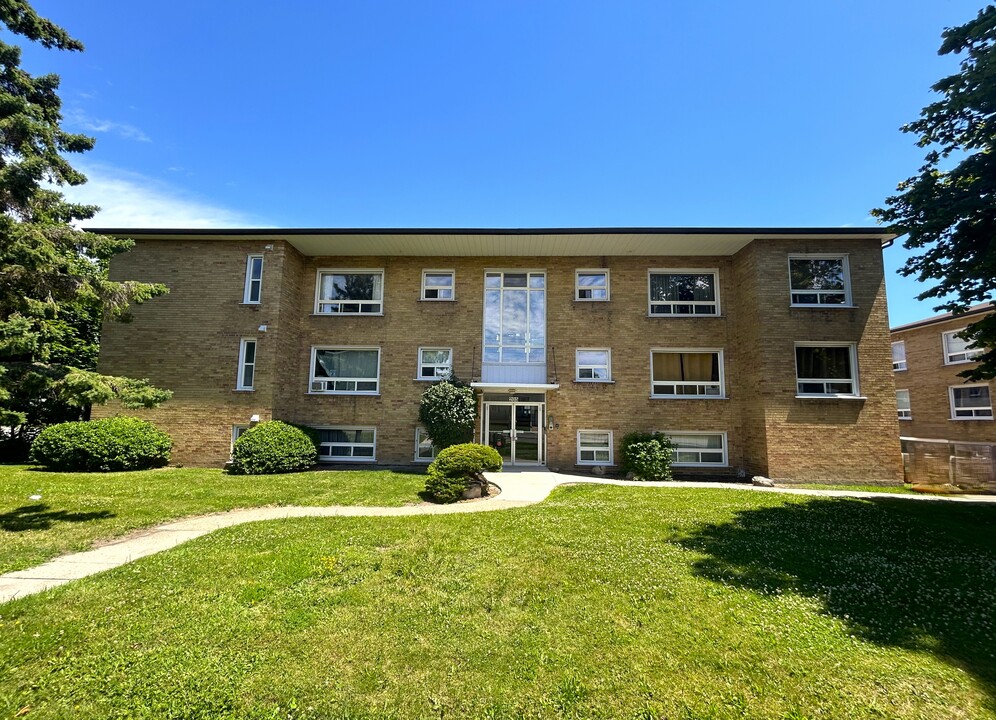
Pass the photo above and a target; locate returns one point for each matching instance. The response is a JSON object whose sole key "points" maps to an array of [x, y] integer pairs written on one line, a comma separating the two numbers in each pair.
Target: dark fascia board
{"points": [[885, 236], [980, 309]]}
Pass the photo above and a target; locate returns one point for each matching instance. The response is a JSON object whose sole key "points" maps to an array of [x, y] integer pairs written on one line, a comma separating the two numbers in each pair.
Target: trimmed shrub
{"points": [[457, 468], [107, 445], [647, 455], [272, 447], [447, 413]]}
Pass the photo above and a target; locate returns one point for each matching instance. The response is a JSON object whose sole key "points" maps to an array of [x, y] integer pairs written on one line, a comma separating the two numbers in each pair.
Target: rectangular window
{"points": [[958, 350], [903, 404], [435, 363], [425, 451], [825, 370], [594, 447], [899, 355], [350, 292], [593, 365], [354, 371], [438, 284], [970, 402], [686, 373], [237, 431], [347, 444], [514, 317], [819, 280], [254, 280], [247, 364], [591, 285], [684, 292], [698, 448]]}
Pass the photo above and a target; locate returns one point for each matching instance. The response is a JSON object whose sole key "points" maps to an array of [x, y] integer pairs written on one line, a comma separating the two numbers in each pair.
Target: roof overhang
{"points": [[508, 242], [512, 389]]}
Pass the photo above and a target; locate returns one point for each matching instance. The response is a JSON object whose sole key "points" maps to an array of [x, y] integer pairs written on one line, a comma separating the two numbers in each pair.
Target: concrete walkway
{"points": [[518, 489]]}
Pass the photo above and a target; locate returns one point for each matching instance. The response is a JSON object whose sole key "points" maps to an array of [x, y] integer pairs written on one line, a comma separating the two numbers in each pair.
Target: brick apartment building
{"points": [[933, 401], [760, 351]]}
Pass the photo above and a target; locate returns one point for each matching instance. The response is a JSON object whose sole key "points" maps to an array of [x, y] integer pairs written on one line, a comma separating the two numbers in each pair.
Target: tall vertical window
{"points": [[903, 405], [957, 349], [438, 284], [819, 280], [350, 292], [247, 364], [899, 355], [684, 292], [254, 280], [686, 373], [825, 370], [592, 285], [425, 451], [515, 317]]}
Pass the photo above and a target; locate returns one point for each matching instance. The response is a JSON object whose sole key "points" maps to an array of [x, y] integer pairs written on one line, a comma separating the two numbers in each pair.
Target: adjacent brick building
{"points": [[934, 402], [761, 351]]}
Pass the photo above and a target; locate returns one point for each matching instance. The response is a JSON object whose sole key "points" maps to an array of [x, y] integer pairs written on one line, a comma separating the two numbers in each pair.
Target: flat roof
{"points": [[979, 309], [690, 241]]}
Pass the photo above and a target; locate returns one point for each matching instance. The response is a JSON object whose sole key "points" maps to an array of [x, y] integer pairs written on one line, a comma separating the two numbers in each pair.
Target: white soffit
{"points": [[592, 243]]}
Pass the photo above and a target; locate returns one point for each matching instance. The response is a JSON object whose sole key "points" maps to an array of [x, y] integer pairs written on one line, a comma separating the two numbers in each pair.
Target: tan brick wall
{"points": [[188, 342], [928, 379]]}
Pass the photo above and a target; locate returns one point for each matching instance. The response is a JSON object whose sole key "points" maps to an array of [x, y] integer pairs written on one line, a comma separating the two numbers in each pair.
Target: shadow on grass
{"points": [[40, 517], [916, 575]]}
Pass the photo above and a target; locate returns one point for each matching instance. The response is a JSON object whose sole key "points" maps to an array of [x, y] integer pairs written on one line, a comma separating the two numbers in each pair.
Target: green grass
{"points": [[901, 489], [77, 509], [602, 602]]}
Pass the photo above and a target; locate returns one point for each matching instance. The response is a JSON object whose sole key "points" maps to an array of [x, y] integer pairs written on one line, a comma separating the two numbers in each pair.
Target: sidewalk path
{"points": [[518, 489]]}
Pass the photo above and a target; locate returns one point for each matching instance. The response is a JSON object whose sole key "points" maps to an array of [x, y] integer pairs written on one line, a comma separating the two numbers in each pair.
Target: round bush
{"points": [[272, 447], [458, 467], [107, 445], [647, 455]]}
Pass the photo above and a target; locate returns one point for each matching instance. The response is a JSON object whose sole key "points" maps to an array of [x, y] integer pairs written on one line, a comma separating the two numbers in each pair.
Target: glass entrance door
{"points": [[515, 430]]}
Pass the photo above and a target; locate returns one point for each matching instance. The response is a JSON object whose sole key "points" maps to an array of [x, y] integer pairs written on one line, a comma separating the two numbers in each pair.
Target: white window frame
{"points": [[435, 378], [684, 271], [578, 287], [904, 413], [452, 286], [237, 431], [967, 355], [973, 416], [349, 458], [578, 367], [253, 282], [674, 454], [360, 303], [240, 380], [422, 440], [899, 365], [315, 380], [854, 371], [820, 293], [582, 448], [698, 396]]}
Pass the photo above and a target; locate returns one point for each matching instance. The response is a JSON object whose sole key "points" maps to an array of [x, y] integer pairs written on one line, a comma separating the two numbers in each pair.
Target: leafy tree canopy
{"points": [[448, 412], [950, 215], [54, 289]]}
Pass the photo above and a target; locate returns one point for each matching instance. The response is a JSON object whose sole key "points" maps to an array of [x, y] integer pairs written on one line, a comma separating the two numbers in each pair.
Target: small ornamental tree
{"points": [[448, 412]]}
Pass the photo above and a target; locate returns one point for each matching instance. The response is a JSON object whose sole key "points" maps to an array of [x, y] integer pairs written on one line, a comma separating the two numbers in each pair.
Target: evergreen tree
{"points": [[54, 290], [951, 214]]}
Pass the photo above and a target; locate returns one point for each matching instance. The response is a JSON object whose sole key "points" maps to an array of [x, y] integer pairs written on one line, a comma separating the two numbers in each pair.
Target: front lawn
{"points": [[76, 509], [604, 602]]}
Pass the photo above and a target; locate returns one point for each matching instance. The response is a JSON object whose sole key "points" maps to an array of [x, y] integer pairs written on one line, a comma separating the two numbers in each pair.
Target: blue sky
{"points": [[384, 114]]}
